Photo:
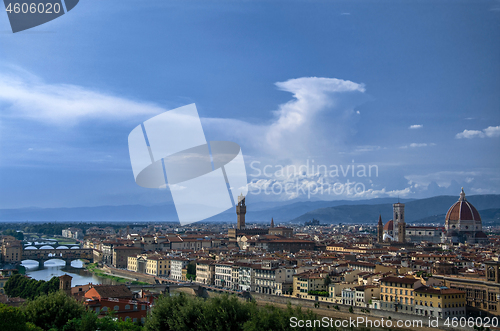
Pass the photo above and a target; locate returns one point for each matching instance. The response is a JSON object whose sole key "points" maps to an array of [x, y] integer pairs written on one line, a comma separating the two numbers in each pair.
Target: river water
{"points": [[58, 268]]}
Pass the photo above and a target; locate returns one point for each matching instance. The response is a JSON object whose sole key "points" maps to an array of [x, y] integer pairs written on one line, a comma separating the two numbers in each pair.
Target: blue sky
{"points": [[411, 87]]}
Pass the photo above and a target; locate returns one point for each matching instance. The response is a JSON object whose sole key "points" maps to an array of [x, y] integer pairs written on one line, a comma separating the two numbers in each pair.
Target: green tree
{"points": [[11, 318], [53, 310], [27, 288], [328, 281], [191, 271], [13, 233], [183, 314], [272, 318]]}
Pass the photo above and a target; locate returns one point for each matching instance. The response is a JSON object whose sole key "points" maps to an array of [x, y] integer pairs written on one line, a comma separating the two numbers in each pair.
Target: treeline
{"points": [[58, 312], [28, 288], [13, 233], [51, 229], [182, 313]]}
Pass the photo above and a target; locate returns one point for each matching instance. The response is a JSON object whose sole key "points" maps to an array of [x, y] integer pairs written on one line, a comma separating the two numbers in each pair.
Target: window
{"points": [[116, 308]]}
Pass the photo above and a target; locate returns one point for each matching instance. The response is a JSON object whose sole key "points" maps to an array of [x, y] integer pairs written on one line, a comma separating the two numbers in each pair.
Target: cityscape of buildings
{"points": [[450, 271]]}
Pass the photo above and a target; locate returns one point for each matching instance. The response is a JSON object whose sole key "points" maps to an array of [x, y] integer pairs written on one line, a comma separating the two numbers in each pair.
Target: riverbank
{"points": [[101, 272]]}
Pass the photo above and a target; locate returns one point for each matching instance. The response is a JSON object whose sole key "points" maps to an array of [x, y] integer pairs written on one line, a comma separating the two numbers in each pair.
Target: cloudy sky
{"points": [[409, 88]]}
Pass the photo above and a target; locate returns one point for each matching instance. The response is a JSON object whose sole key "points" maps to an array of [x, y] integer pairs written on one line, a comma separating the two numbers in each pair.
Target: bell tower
{"points": [[380, 230], [398, 217], [65, 283], [241, 210]]}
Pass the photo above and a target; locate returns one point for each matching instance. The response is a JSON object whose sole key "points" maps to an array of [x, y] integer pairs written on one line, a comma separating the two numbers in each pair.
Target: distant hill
{"points": [[429, 210], [256, 212], [129, 213]]}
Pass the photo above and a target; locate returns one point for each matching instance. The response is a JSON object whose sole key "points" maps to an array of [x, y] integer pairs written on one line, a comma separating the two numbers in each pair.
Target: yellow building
{"points": [[132, 263], [12, 251], [184, 274], [158, 266], [440, 302], [306, 282], [482, 295], [396, 293]]}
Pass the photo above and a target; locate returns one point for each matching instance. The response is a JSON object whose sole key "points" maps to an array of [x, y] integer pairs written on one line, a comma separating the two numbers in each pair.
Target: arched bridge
{"points": [[68, 255], [47, 244]]}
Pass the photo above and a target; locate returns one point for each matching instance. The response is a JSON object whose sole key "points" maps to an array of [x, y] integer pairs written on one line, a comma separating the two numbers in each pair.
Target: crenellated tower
{"points": [[380, 230], [241, 210]]}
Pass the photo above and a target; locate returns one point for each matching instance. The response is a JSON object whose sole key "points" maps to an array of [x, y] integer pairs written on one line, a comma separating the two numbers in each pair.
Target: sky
{"points": [[410, 90]]}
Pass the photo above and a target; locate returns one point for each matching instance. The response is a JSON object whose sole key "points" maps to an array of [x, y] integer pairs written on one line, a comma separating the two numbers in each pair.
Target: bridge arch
{"points": [[46, 247]]}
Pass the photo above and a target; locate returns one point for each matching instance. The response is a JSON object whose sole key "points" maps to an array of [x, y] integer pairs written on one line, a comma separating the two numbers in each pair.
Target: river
{"points": [[58, 268]]}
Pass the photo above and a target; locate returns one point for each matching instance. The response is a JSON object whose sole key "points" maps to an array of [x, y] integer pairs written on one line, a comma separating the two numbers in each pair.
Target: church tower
{"points": [[65, 283], [399, 217], [380, 230], [272, 223], [241, 210]]}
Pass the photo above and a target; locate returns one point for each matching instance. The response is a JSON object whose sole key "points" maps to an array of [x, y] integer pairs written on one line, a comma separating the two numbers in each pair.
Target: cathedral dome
{"points": [[462, 210], [389, 226]]}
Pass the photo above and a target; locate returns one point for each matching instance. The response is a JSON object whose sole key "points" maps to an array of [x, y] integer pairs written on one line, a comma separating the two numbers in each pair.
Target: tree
{"points": [[53, 310], [13, 233], [273, 318], [11, 318], [191, 271], [183, 313], [221, 313], [27, 288], [328, 281]]}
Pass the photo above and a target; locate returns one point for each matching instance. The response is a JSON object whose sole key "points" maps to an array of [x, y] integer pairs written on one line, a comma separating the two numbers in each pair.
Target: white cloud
{"points": [[299, 128], [490, 132], [442, 178], [26, 96], [470, 134], [416, 126], [366, 148], [414, 145]]}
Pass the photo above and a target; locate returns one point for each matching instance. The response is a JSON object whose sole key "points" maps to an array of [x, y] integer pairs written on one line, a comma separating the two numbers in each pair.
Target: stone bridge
{"points": [[67, 255], [53, 244]]}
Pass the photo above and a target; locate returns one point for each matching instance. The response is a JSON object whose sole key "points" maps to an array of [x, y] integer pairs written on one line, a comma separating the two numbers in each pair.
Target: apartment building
{"points": [[121, 255], [223, 274], [364, 295], [440, 302], [205, 272], [246, 277], [348, 296], [137, 264], [176, 266], [307, 282], [396, 293], [335, 291], [158, 265]]}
